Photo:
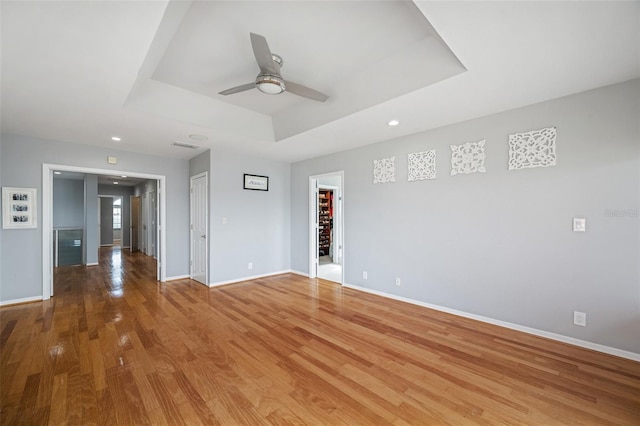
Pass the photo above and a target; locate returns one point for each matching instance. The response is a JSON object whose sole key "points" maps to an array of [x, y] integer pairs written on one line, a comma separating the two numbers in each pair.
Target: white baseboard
{"points": [[553, 336], [304, 274], [252, 277], [178, 277], [23, 300], [92, 264]]}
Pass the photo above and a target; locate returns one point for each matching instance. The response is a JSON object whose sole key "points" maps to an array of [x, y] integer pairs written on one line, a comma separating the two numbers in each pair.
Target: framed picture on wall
{"points": [[19, 208], [256, 183]]}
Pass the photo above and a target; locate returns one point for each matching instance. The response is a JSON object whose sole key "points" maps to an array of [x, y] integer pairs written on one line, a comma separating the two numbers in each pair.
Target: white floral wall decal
{"points": [[467, 158], [532, 149], [384, 170], [422, 165]]}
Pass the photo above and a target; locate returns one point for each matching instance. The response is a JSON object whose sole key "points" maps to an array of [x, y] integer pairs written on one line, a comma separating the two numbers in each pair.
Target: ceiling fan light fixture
{"points": [[270, 84]]}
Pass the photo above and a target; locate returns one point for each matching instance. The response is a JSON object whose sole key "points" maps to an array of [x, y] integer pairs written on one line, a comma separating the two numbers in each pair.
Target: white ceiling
{"points": [[149, 71]]}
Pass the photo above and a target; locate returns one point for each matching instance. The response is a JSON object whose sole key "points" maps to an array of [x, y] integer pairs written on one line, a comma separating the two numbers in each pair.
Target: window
{"points": [[117, 213]]}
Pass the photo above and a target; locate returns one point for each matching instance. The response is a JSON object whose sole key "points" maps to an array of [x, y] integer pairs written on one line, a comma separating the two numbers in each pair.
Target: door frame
{"points": [[47, 218], [206, 225], [313, 221]]}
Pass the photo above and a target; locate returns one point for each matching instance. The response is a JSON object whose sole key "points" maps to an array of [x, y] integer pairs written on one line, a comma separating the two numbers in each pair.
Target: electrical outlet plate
{"points": [[250, 265], [364, 275], [580, 318], [579, 224], [398, 282]]}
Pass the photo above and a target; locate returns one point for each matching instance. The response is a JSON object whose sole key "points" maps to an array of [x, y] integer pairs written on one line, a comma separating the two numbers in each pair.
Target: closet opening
{"points": [[326, 227]]}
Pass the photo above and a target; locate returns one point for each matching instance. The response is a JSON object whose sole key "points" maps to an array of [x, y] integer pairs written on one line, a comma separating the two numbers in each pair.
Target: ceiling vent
{"points": [[185, 145]]}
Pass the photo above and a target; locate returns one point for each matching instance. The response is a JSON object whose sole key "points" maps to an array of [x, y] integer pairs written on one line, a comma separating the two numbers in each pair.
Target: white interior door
{"points": [[199, 215]]}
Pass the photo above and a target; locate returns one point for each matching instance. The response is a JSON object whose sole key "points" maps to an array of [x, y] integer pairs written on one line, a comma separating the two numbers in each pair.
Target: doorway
{"points": [[199, 228], [326, 230], [47, 218]]}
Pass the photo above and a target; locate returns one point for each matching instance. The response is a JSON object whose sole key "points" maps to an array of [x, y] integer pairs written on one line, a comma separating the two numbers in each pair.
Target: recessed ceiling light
{"points": [[197, 137], [115, 183], [57, 173], [393, 123], [123, 176], [115, 138]]}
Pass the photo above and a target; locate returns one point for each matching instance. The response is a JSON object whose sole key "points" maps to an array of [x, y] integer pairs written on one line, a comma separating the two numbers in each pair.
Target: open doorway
{"points": [[91, 239], [110, 220], [326, 245]]}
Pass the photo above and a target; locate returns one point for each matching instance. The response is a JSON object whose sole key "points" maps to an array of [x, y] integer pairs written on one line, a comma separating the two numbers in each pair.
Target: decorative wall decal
{"points": [[384, 170], [467, 158], [422, 165], [532, 149]]}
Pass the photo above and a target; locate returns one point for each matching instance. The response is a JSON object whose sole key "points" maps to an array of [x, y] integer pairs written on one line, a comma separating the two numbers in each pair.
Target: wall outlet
{"points": [[364, 275], [579, 224], [398, 282], [250, 265], [580, 318]]}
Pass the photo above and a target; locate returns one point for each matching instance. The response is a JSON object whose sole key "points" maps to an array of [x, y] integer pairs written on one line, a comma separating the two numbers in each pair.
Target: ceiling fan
{"points": [[269, 80]]}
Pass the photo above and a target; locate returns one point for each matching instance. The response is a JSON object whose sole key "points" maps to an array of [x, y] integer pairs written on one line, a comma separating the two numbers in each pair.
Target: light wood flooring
{"points": [[116, 347]]}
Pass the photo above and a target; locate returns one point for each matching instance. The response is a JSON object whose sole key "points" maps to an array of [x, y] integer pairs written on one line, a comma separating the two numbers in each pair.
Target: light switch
{"points": [[112, 160], [579, 224]]}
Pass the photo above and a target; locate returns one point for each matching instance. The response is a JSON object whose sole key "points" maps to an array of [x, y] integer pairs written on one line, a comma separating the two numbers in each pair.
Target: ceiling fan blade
{"points": [[263, 54], [304, 91], [238, 89]]}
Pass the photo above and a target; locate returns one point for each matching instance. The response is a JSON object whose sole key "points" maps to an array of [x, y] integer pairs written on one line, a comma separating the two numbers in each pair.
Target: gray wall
{"points": [[92, 231], [106, 220], [147, 187], [500, 244], [68, 203], [258, 222], [125, 192], [22, 158]]}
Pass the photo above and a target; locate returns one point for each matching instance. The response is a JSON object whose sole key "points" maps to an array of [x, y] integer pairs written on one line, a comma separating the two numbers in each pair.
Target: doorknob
{"points": [[203, 236]]}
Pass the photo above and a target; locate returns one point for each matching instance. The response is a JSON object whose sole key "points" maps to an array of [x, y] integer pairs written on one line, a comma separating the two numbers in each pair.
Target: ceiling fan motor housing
{"points": [[270, 84]]}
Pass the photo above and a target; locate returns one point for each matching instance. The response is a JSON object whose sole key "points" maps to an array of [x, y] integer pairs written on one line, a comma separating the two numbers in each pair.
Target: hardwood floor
{"points": [[116, 347]]}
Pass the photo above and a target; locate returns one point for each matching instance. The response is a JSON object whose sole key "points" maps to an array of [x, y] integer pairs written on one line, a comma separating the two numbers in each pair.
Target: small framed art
{"points": [[255, 182], [19, 209]]}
